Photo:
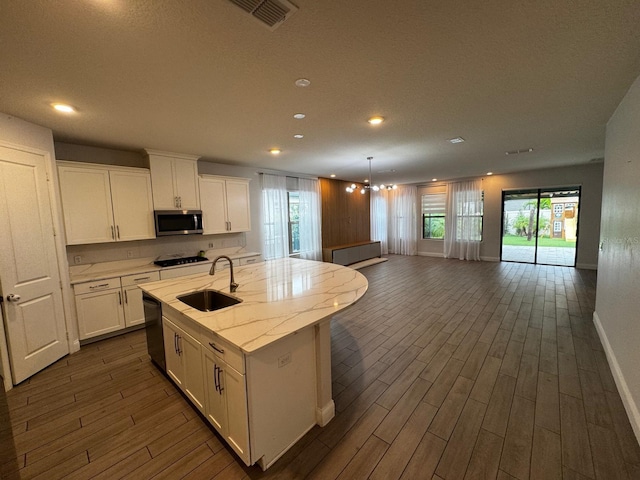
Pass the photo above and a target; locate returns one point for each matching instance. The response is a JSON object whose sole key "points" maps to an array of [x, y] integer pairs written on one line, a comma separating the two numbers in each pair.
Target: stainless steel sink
{"points": [[208, 300]]}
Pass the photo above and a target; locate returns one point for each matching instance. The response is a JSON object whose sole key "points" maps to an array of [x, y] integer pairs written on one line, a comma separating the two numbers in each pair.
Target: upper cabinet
{"points": [[105, 203], [225, 204], [174, 178]]}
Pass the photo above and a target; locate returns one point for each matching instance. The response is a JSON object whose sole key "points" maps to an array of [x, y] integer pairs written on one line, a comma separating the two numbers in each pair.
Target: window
{"points": [[433, 215], [558, 208], [470, 219], [557, 226], [294, 222]]}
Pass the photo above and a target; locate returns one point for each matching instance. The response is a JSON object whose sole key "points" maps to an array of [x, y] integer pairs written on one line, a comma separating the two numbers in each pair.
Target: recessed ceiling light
{"points": [[299, 116], [456, 140], [489, 173], [303, 82], [434, 179], [333, 175], [375, 120], [275, 151], [61, 107], [298, 135]]}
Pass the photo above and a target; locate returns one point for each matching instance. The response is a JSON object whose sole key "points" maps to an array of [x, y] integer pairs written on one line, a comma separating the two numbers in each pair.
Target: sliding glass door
{"points": [[540, 226]]}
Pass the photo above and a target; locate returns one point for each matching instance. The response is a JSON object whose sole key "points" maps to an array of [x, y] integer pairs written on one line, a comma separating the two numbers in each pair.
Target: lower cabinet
{"points": [[99, 307], [262, 403], [184, 361], [226, 403], [106, 306]]}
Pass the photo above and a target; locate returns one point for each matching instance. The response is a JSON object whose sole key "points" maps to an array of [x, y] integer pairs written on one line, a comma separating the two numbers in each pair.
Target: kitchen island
{"points": [[260, 371]]}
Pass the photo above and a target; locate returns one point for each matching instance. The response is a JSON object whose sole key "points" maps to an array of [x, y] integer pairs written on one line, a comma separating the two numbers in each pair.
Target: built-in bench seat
{"points": [[352, 253]]}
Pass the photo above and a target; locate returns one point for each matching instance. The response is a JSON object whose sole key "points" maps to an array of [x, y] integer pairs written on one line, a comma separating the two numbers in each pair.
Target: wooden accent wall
{"points": [[345, 216]]}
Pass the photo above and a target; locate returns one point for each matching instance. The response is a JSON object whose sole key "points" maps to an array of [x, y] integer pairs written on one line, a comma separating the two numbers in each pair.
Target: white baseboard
{"points": [[430, 254], [587, 266], [490, 259], [325, 413], [618, 376]]}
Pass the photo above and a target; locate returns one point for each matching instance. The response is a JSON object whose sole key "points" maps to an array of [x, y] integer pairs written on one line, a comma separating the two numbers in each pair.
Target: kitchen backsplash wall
{"points": [[186, 245]]}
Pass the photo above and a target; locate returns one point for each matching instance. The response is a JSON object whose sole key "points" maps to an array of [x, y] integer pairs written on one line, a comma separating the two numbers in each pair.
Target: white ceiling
{"points": [[202, 77]]}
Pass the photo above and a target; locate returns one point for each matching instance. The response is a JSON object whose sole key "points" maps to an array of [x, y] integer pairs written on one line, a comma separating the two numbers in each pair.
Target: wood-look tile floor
{"points": [[444, 370]]}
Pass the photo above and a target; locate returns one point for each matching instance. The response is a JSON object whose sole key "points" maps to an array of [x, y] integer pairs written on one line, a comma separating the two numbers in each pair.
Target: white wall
{"points": [[617, 294], [588, 176]]}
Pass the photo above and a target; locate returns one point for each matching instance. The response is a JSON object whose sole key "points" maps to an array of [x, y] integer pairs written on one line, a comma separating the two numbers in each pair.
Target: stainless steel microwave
{"points": [[178, 222]]}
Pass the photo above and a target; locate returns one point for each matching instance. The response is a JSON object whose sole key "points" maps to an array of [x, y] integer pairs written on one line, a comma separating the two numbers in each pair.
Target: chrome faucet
{"points": [[233, 286]]}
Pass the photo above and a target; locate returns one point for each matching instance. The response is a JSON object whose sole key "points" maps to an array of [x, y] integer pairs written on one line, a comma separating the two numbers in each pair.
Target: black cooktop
{"points": [[179, 261]]}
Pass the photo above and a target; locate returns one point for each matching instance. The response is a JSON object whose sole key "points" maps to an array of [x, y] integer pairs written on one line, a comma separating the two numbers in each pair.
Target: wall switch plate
{"points": [[211, 245], [77, 259], [284, 360], [129, 253]]}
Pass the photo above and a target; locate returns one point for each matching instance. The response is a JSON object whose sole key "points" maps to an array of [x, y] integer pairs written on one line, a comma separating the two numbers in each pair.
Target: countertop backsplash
{"points": [[183, 245]]}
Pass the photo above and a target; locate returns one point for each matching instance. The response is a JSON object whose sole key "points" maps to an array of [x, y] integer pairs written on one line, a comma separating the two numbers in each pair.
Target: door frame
{"points": [[539, 190], [61, 259]]}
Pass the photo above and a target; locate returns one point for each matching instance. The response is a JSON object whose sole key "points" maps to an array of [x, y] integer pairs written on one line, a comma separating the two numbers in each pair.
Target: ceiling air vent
{"points": [[271, 13]]}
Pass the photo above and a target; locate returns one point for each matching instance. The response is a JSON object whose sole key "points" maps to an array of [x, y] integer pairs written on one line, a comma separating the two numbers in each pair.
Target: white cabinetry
{"points": [[183, 354], [105, 204], [132, 305], [99, 307], [226, 395], [225, 204], [174, 179], [106, 306]]}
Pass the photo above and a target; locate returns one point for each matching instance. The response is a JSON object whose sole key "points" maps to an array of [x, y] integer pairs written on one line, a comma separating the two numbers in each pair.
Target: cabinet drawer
{"points": [[224, 350], [96, 286], [250, 260], [166, 274], [140, 278]]}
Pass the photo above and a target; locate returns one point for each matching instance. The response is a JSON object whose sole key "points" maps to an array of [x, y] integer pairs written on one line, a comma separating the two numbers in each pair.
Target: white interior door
{"points": [[29, 278]]}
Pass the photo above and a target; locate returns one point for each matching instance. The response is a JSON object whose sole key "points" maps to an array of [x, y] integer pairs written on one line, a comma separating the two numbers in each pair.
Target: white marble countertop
{"points": [[101, 271], [279, 297]]}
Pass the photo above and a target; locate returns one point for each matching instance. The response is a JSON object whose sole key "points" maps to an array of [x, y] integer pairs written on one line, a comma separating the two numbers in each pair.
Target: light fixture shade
{"points": [[362, 191]]}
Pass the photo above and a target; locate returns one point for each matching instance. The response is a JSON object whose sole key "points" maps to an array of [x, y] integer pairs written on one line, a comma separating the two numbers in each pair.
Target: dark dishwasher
{"points": [[153, 327]]}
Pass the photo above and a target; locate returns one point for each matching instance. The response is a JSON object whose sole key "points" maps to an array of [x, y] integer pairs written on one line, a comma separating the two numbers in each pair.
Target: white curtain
{"points": [[275, 216], [379, 219], [463, 225], [310, 219], [394, 220]]}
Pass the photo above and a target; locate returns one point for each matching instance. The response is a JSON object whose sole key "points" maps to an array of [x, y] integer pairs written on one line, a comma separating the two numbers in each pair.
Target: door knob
{"points": [[12, 297]]}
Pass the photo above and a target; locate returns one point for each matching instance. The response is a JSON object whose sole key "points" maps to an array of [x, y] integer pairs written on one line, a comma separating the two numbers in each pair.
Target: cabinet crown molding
{"points": [[160, 153], [205, 176], [101, 166]]}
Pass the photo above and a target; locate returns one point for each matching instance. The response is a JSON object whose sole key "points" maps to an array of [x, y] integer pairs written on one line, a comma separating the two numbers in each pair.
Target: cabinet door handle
{"points": [[217, 349], [102, 285], [120, 298], [180, 345], [219, 382], [175, 342], [126, 297], [113, 236], [215, 377], [140, 279], [118, 231]]}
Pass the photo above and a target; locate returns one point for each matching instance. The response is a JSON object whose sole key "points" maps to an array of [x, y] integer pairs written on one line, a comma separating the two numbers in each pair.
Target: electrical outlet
{"points": [[284, 360], [211, 245], [77, 259], [129, 253]]}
